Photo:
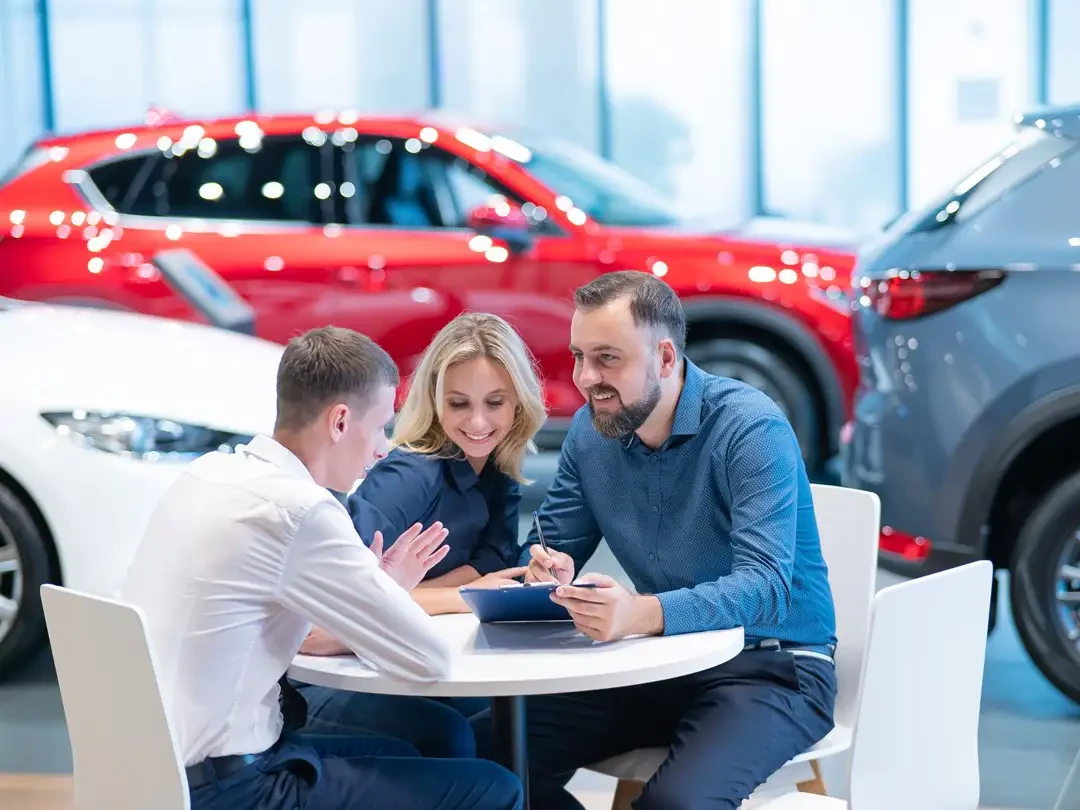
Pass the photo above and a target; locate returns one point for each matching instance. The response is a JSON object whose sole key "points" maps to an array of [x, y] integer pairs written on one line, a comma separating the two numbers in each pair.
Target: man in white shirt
{"points": [[245, 553]]}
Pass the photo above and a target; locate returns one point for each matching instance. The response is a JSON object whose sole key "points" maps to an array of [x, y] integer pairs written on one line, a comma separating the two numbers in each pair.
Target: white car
{"points": [[99, 411]]}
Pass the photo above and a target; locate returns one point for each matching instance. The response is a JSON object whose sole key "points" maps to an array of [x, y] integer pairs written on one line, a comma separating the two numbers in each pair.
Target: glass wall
{"points": [[114, 59], [1064, 56], [829, 122], [970, 72], [522, 64], [21, 95], [679, 97], [664, 89], [367, 55]]}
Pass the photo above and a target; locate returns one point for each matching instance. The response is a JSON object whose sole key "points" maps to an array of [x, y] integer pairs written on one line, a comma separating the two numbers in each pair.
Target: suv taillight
{"points": [[917, 293]]}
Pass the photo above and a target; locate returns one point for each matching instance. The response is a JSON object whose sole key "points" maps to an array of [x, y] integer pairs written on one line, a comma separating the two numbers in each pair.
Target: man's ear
{"points": [[669, 357], [338, 419]]}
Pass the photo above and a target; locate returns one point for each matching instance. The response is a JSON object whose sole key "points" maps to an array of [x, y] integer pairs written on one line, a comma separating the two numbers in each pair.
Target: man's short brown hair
{"points": [[653, 303], [325, 365]]}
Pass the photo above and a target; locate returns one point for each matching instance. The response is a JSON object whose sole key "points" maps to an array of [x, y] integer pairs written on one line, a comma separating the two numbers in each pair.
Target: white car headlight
{"points": [[142, 437]]}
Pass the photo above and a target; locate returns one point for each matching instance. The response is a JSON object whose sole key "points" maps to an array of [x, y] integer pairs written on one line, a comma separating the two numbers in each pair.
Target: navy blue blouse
{"points": [[481, 511]]}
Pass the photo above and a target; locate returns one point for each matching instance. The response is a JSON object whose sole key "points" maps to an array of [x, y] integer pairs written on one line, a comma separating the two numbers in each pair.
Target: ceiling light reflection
{"points": [[761, 274]]}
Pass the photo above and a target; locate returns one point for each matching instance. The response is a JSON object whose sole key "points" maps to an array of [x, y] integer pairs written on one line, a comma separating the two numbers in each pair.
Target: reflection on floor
{"points": [[1029, 735]]}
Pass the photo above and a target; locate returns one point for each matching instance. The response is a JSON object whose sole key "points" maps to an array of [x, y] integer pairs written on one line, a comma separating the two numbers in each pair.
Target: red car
{"points": [[393, 226]]}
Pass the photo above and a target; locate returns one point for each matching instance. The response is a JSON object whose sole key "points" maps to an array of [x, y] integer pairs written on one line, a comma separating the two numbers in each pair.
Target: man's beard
{"points": [[627, 418]]}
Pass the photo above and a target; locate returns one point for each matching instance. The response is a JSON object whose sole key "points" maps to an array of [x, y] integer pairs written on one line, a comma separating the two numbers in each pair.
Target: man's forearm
{"points": [[647, 616]]}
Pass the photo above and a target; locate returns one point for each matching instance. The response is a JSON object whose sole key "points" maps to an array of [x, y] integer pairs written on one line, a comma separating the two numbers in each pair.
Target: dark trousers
{"points": [[727, 730], [359, 773], [435, 728]]}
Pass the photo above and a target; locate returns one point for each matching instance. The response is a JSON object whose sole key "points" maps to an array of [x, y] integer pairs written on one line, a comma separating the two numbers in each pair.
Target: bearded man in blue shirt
{"points": [[698, 485]]}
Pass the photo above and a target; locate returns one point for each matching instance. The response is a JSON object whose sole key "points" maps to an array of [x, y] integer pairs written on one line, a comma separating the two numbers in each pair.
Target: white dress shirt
{"points": [[242, 556]]}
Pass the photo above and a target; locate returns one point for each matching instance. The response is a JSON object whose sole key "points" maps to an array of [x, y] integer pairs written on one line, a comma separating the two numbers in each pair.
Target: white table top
{"points": [[496, 660]]}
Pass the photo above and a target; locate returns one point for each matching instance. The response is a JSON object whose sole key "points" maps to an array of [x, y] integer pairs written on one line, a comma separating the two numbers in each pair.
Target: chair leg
{"points": [[625, 792], [815, 785]]}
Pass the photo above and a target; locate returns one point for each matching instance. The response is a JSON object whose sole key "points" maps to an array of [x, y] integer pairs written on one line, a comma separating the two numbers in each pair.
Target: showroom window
{"points": [[279, 179]]}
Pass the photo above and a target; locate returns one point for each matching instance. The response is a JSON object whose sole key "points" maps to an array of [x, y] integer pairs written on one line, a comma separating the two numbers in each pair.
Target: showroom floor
{"points": [[1028, 739]]}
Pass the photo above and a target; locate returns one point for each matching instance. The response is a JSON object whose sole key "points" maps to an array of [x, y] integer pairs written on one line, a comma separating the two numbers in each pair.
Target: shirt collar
{"points": [[272, 451], [462, 472], [688, 410]]}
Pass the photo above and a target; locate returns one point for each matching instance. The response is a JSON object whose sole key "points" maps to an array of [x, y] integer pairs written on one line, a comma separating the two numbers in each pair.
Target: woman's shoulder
{"points": [[402, 462]]}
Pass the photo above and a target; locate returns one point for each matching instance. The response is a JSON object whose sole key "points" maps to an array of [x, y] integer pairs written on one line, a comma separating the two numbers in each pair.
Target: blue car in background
{"points": [[967, 416]]}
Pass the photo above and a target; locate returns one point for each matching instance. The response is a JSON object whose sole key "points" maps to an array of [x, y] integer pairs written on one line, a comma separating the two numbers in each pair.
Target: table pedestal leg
{"points": [[508, 719]]}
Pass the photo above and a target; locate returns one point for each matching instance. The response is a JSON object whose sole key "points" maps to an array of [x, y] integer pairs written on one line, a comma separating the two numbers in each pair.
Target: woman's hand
{"points": [[496, 579]]}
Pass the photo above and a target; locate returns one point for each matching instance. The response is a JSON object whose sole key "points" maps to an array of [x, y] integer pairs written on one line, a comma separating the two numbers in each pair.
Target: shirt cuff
{"points": [[678, 612], [488, 562]]}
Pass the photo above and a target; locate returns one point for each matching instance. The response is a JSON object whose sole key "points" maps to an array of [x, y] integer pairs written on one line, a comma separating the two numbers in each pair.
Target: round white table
{"points": [[508, 661]]}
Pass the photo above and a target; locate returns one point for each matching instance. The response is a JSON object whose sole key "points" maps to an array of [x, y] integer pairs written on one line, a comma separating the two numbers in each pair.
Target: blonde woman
{"points": [[473, 407]]}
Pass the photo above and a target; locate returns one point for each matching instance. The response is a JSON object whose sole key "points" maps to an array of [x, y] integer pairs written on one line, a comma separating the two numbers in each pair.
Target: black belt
{"points": [[828, 650], [294, 716], [214, 768]]}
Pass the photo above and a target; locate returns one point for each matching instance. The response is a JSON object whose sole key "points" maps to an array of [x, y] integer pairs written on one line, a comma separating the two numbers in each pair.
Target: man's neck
{"points": [[661, 421], [304, 449]]}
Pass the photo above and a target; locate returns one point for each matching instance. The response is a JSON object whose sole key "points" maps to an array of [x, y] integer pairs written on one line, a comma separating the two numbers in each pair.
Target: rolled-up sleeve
{"points": [[760, 468], [335, 582], [498, 544]]}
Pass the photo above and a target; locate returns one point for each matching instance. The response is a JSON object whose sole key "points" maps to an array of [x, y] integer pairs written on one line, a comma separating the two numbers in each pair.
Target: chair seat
{"points": [[639, 765], [803, 801]]}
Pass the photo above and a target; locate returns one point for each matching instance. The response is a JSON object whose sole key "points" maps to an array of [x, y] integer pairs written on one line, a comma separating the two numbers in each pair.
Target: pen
{"points": [[540, 536]]}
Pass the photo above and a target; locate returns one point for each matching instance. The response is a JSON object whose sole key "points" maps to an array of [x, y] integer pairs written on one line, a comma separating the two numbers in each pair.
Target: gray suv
{"points": [[967, 416]]}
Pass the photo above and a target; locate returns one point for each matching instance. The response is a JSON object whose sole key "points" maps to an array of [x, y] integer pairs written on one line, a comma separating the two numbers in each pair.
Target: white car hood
{"points": [[60, 358]]}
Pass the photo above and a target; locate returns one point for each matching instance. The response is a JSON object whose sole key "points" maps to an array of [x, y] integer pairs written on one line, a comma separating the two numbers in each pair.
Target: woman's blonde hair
{"points": [[468, 336]]}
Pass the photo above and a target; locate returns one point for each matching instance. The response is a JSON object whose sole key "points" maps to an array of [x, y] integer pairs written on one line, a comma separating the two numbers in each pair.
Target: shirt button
{"points": [[652, 556], [654, 459], [656, 508]]}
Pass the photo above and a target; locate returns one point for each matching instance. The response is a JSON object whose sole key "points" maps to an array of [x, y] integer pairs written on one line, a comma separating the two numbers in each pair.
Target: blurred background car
{"points": [[395, 225], [99, 412], [967, 416]]}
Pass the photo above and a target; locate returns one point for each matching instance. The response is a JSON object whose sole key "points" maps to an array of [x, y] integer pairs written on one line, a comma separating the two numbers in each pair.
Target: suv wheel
{"points": [[1045, 586], [24, 568], [770, 373]]}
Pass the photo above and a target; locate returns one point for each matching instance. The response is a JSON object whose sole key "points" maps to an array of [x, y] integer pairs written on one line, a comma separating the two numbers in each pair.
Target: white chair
{"points": [[916, 745], [849, 522], [122, 747]]}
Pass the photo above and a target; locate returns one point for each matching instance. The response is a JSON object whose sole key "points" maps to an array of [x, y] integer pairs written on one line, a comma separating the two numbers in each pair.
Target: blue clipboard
{"points": [[530, 602]]}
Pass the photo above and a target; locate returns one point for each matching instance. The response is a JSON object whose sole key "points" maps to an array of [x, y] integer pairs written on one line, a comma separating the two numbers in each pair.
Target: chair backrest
{"points": [[123, 750], [916, 744], [849, 523]]}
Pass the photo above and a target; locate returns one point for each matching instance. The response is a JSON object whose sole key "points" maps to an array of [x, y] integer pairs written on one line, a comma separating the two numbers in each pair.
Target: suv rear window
{"points": [[1014, 164]]}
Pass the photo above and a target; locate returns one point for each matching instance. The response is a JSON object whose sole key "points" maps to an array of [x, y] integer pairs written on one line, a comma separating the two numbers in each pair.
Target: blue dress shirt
{"points": [[481, 511], [717, 522]]}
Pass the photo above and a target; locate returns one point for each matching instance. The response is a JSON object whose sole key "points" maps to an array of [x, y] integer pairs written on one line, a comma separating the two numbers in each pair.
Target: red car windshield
{"points": [[608, 194]]}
